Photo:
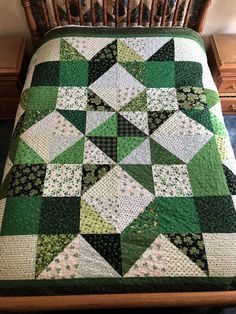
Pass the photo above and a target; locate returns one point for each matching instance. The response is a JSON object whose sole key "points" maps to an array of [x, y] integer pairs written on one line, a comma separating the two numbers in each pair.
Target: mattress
{"points": [[120, 175]]}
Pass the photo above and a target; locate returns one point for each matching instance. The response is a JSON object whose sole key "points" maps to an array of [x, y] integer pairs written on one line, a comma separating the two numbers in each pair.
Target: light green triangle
{"points": [[139, 103], [126, 54], [69, 53], [92, 223], [26, 155], [125, 145], [212, 97], [217, 126], [73, 155], [108, 128]]}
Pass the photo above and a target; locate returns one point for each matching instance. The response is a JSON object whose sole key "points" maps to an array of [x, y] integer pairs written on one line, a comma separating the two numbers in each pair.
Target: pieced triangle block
{"points": [[142, 174], [69, 53], [26, 155], [94, 155], [139, 156], [191, 245], [108, 128], [46, 253], [106, 144], [73, 155], [136, 69], [165, 53], [108, 246], [77, 118], [160, 155], [125, 128], [139, 103], [127, 54], [96, 103], [157, 118], [125, 145], [94, 171], [92, 223]]}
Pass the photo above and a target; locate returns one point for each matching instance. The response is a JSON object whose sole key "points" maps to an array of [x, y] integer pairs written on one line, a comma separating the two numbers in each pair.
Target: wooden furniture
{"points": [[12, 69], [41, 16], [222, 61]]}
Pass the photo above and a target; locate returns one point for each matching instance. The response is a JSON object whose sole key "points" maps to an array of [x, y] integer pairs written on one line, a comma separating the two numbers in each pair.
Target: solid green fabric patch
{"points": [[126, 145], [76, 117], [206, 172], [160, 74], [73, 73], [216, 214], [41, 77], [60, 215], [188, 73], [21, 216], [40, 98], [177, 215]]}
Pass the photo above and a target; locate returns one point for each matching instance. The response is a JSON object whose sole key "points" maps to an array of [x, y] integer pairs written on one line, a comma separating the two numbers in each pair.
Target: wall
{"points": [[221, 18]]}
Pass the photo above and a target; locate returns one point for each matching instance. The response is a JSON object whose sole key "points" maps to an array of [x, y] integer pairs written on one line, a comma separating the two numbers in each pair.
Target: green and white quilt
{"points": [[120, 175]]}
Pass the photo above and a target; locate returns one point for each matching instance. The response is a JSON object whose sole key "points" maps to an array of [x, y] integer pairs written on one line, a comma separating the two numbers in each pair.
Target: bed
{"points": [[119, 188]]}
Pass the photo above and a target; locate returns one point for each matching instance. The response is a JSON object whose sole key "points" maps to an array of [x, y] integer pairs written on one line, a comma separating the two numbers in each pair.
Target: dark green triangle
{"points": [[26, 155], [162, 156], [76, 117], [108, 128], [142, 174], [165, 53], [212, 97], [139, 103], [69, 53], [125, 145], [73, 155]]}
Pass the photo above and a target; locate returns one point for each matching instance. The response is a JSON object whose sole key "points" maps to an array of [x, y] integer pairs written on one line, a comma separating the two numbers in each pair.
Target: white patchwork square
{"points": [[221, 254], [49, 51], [171, 180], [159, 99], [17, 258], [72, 98], [62, 180]]}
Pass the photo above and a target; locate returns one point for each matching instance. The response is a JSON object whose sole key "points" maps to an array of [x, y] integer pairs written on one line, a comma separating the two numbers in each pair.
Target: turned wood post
{"points": [[203, 16], [30, 20]]}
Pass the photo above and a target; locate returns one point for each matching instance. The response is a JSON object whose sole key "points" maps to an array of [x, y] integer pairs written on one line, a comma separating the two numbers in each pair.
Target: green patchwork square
{"points": [[216, 214], [73, 73], [40, 98], [46, 74], [188, 74], [177, 215], [160, 74], [21, 216]]}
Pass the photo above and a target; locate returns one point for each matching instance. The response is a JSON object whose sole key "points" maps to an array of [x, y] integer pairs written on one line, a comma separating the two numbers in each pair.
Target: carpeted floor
{"points": [[5, 134]]}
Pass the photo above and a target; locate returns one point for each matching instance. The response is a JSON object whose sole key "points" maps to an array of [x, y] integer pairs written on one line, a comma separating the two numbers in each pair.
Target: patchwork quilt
{"points": [[120, 175]]}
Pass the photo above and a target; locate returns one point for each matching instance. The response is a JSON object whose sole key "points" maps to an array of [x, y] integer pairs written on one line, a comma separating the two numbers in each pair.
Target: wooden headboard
{"points": [[43, 15]]}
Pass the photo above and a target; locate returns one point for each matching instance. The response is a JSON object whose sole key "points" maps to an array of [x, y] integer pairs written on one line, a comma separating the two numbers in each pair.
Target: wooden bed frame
{"points": [[132, 300]]}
